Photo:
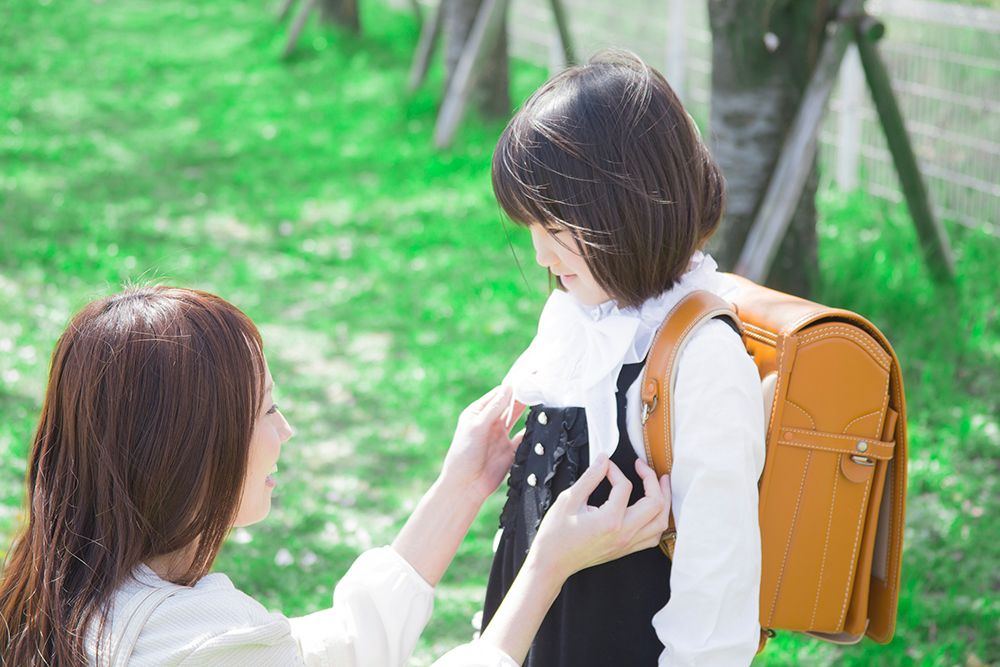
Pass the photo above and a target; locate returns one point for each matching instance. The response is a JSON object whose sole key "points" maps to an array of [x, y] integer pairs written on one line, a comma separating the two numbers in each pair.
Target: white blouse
{"points": [[711, 618], [379, 609]]}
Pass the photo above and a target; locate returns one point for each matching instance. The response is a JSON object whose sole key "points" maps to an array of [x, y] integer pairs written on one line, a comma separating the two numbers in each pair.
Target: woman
{"points": [[158, 434]]}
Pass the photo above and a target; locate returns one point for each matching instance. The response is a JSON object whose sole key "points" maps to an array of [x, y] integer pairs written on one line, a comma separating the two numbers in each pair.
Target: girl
{"points": [[159, 433], [609, 174]]}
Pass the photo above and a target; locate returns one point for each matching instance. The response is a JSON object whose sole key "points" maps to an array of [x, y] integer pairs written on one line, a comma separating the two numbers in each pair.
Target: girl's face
{"points": [[269, 433], [559, 252]]}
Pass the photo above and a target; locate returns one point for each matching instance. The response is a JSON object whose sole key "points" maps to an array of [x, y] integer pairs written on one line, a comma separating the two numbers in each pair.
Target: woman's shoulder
{"points": [[184, 621]]}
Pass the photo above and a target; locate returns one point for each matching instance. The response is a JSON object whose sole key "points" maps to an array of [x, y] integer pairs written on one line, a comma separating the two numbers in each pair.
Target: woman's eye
{"points": [[272, 409]]}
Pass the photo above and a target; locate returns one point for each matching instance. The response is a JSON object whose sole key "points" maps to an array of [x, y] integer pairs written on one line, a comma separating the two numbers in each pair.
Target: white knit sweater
{"points": [[379, 609]]}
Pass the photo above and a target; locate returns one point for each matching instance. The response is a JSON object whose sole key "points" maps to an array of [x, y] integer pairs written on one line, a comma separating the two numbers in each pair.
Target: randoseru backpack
{"points": [[833, 490]]}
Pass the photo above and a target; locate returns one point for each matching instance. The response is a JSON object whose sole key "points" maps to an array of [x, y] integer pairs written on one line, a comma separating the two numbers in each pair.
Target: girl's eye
{"points": [[272, 409]]}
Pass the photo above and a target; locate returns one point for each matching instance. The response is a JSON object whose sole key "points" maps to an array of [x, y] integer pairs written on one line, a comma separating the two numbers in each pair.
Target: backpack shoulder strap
{"points": [[660, 375]]}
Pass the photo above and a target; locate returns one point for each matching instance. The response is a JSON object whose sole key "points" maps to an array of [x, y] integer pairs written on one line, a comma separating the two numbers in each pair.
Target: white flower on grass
{"points": [[283, 558], [241, 536]]}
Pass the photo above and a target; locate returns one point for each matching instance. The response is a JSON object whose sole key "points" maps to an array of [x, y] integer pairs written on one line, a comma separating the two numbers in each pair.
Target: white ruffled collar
{"points": [[579, 350]]}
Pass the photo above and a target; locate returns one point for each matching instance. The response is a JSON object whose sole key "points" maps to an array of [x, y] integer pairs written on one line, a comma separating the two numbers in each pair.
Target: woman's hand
{"points": [[482, 450], [574, 535]]}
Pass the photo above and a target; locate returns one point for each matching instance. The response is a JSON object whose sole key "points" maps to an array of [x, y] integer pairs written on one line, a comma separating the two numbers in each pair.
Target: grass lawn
{"points": [[166, 141]]}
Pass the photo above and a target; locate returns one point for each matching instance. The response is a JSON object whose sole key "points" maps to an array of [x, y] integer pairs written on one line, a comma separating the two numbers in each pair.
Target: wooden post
{"points": [[933, 238], [429, 32], [852, 87], [484, 31], [285, 9], [298, 23], [565, 39], [793, 167]]}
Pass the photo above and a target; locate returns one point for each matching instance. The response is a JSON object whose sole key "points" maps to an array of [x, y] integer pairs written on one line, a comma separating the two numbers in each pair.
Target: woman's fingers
{"points": [[513, 412], [578, 493], [621, 490], [665, 490], [650, 485], [491, 403], [516, 440]]}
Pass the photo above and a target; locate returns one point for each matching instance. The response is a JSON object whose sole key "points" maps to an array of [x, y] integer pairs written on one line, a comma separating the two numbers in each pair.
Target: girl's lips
{"points": [[270, 482]]}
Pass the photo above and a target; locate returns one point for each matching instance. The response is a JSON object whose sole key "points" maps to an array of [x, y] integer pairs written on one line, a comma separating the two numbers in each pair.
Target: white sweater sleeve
{"points": [[718, 446], [380, 608]]}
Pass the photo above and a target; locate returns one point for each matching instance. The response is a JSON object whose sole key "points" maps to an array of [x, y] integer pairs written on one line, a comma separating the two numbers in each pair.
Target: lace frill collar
{"points": [[579, 350]]}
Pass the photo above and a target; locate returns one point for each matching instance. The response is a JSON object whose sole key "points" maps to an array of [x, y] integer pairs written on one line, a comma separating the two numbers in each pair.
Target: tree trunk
{"points": [[491, 90], [757, 85], [342, 12]]}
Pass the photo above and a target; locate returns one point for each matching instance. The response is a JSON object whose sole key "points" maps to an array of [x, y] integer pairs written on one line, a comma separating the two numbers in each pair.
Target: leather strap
{"points": [[660, 375], [658, 380]]}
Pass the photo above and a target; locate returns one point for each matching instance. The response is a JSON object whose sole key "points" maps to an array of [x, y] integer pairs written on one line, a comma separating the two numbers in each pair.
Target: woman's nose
{"points": [[286, 429]]}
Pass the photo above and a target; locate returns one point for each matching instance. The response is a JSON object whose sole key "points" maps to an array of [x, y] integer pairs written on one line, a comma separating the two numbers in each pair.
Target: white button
{"points": [[543, 418], [532, 480], [539, 449]]}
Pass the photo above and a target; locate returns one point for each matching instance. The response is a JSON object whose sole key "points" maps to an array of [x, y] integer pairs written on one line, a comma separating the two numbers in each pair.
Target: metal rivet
{"points": [[543, 418], [539, 449], [862, 446], [532, 480]]}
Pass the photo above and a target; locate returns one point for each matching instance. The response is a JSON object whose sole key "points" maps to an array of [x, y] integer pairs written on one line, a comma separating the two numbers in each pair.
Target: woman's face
{"points": [[560, 253], [269, 433]]}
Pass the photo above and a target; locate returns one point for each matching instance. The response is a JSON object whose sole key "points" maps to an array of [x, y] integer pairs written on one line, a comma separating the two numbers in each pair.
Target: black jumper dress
{"points": [[602, 616]]}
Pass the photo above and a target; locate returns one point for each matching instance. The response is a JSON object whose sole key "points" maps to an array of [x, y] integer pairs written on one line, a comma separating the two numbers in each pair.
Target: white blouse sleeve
{"points": [[475, 654], [712, 616], [379, 609]]}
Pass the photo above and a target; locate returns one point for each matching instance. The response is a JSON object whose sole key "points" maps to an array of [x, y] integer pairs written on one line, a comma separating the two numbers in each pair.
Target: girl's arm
{"points": [[711, 618]]}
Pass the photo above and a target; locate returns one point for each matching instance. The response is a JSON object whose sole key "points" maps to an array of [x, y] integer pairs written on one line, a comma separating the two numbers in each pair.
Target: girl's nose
{"points": [[541, 239]]}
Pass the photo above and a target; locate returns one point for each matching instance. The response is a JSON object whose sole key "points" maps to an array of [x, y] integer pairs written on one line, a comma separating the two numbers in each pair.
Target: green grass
{"points": [[167, 141]]}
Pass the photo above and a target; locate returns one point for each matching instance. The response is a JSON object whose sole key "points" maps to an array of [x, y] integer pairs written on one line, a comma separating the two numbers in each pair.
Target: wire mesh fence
{"points": [[944, 60]]}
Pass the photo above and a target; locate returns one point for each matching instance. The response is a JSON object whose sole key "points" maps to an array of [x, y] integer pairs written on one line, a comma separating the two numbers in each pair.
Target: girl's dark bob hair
{"points": [[607, 152]]}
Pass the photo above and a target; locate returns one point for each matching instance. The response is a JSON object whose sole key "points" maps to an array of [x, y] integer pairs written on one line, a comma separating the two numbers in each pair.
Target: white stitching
{"points": [[826, 544], [835, 436], [873, 412], [854, 334], [778, 389], [802, 410], [881, 358], [804, 445], [791, 531]]}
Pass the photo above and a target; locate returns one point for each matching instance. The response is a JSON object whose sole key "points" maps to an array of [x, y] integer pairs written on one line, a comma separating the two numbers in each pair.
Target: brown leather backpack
{"points": [[832, 495]]}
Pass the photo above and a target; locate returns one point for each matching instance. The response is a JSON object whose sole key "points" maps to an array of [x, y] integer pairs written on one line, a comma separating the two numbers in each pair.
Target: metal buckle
{"points": [[648, 408], [862, 460]]}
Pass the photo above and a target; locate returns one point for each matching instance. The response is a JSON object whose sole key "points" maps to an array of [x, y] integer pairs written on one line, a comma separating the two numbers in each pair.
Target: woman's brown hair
{"points": [[141, 451], [606, 151]]}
